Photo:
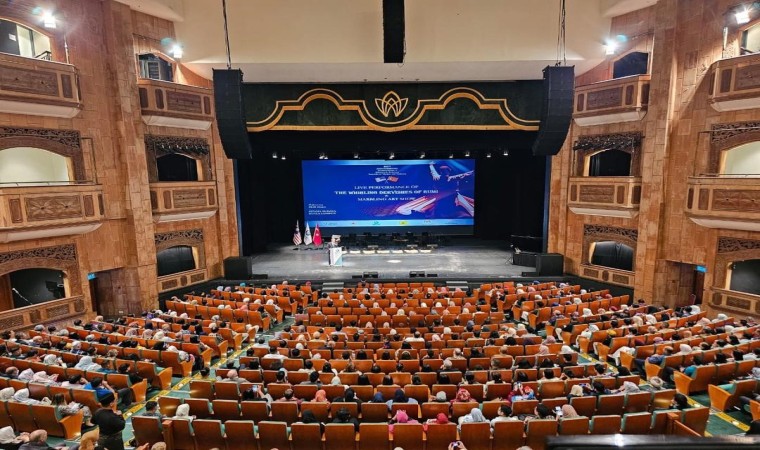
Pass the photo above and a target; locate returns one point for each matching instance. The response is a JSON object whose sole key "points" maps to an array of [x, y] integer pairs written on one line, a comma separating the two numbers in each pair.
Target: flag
{"points": [[307, 235], [317, 236], [297, 235]]}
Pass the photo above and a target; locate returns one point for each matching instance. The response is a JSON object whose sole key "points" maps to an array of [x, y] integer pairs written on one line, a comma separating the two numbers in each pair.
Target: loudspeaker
{"points": [[230, 113], [556, 110], [393, 31], [550, 264], [259, 276], [238, 268], [529, 274], [371, 275], [432, 275], [416, 273]]}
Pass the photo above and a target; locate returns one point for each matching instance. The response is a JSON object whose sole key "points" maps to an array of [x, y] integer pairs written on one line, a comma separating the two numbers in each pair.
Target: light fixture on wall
{"points": [[506, 152], [610, 47], [742, 15], [283, 157], [49, 20], [451, 155], [177, 51]]}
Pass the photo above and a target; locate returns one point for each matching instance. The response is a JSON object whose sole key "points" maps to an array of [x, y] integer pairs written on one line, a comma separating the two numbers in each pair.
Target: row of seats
{"points": [[27, 418]]}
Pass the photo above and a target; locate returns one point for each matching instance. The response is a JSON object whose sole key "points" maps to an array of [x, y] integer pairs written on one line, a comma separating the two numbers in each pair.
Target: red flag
{"points": [[317, 236]]}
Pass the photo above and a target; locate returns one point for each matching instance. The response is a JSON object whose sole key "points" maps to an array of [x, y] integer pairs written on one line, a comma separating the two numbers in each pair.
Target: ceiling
{"points": [[342, 40]]}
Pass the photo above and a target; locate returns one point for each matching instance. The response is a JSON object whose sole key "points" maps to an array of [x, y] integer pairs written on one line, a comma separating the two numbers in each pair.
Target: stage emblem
{"points": [[391, 102]]}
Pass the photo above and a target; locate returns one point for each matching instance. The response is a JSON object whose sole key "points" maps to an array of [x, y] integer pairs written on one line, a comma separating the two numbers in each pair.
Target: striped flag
{"points": [[317, 236], [297, 235], [307, 235]]}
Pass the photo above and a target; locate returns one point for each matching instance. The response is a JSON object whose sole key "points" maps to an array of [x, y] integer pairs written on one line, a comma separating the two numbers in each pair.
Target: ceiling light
{"points": [[274, 155], [488, 155], [422, 155], [451, 155], [356, 156], [609, 47], [177, 51], [48, 19], [467, 154], [742, 16], [283, 157], [506, 152], [392, 155]]}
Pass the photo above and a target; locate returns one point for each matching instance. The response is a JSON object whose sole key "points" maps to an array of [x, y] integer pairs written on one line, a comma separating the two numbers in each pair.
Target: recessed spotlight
{"points": [[274, 155], [48, 20], [467, 154], [177, 51], [610, 47], [506, 152], [488, 155], [742, 16]]}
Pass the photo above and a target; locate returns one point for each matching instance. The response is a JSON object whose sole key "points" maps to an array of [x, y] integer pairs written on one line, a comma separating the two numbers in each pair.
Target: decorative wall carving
{"points": [[605, 98], [49, 208], [60, 257], [28, 81], [731, 245], [625, 142], [157, 146], [189, 198], [193, 238], [66, 143], [597, 193], [596, 233], [736, 200]]}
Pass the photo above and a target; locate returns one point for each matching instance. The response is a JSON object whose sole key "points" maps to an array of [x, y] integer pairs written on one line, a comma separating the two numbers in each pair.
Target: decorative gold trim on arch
{"points": [[372, 123]]}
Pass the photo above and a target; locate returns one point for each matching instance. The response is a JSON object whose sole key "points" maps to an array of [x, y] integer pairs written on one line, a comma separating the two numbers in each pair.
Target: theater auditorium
{"points": [[252, 224]]}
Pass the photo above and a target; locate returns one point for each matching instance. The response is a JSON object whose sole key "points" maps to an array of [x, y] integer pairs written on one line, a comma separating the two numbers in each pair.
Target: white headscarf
{"points": [[587, 312], [183, 411], [7, 394], [26, 375], [7, 436]]}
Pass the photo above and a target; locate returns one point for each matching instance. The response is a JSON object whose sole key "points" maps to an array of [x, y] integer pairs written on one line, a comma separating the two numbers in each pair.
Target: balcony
{"points": [[607, 275], [732, 302], [34, 212], [38, 87], [725, 201], [175, 105], [612, 101], [53, 311], [735, 83], [181, 279], [183, 200], [605, 196]]}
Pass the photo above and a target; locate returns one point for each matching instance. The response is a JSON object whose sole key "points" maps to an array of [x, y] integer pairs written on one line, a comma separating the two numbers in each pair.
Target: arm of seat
{"points": [[139, 390], [754, 407], [72, 425], [583, 343], [718, 397], [682, 382], [601, 351], [652, 370], [164, 378], [626, 360]]}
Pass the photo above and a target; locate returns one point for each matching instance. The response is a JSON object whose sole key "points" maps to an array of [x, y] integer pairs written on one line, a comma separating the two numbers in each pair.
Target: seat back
{"points": [[285, 412], [240, 434], [373, 436], [439, 436], [224, 390], [637, 423], [637, 402], [46, 419], [225, 410], [22, 416], [204, 389], [199, 407], [462, 409], [182, 434], [374, 412], [696, 419], [508, 435], [584, 406], [271, 435], [305, 436], [321, 410], [551, 389], [407, 435], [256, 411], [430, 410], [340, 435], [147, 430], [610, 404], [476, 436], [537, 432], [576, 425], [605, 424], [169, 405], [5, 417], [208, 434]]}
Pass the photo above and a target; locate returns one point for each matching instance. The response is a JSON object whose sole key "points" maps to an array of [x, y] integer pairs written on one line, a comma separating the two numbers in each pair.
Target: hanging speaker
{"points": [[230, 113], [556, 110], [393, 31]]}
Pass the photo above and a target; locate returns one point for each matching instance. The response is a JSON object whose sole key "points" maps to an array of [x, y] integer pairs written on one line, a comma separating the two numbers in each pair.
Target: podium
{"points": [[335, 256]]}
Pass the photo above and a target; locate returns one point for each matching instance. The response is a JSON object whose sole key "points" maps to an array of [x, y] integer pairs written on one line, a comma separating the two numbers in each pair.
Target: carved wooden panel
{"points": [[183, 102], [15, 206], [11, 322], [189, 198], [620, 195], [574, 192], [79, 305], [605, 98], [740, 303], [605, 275], [61, 142], [183, 280], [89, 206], [211, 197], [58, 310], [736, 200], [143, 97], [620, 279], [636, 195], [580, 105], [593, 273], [690, 198], [725, 80], [729, 245], [167, 199], [28, 81], [747, 77], [169, 284], [192, 237], [67, 88], [645, 94], [704, 198], [153, 200], [50, 208], [597, 193], [206, 105], [629, 95], [197, 278], [159, 98]]}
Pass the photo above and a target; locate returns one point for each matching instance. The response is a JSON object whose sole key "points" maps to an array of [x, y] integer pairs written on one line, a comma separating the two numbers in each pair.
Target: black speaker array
{"points": [[238, 268], [230, 113], [393, 31], [556, 110]]}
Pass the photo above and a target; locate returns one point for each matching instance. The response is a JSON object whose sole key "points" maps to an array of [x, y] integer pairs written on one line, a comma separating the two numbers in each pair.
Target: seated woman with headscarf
{"points": [[183, 413], [22, 396], [521, 392], [6, 394], [400, 417], [63, 409], [475, 416], [399, 397], [9, 440], [87, 364]]}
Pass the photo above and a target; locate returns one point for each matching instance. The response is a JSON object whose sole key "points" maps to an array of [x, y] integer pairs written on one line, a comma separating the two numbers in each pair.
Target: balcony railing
{"points": [[183, 200], [49, 313], [612, 101], [175, 105], [734, 83], [181, 279], [730, 202], [608, 274], [605, 196], [33, 212], [38, 87], [738, 303]]}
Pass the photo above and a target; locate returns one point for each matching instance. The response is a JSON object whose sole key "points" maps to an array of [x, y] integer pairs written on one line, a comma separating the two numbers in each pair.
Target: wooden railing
{"points": [[175, 105], [49, 313], [183, 200], [38, 87], [731, 202], [734, 83], [181, 279], [605, 196], [619, 100], [32, 212], [607, 274], [738, 303]]}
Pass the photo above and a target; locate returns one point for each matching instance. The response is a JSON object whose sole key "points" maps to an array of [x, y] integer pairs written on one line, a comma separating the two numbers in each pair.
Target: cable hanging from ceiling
{"points": [[561, 47]]}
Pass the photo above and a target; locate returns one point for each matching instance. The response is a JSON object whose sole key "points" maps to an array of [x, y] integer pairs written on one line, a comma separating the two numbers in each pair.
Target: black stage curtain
{"points": [[613, 254], [745, 276], [271, 196]]}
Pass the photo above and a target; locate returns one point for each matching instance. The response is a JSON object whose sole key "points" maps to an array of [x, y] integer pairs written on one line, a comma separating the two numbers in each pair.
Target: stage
{"points": [[465, 258]]}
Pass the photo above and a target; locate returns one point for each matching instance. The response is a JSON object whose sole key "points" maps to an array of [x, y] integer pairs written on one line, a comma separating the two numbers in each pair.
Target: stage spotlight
{"points": [[742, 16], [488, 155], [48, 20], [283, 157], [274, 155], [392, 155], [356, 156], [609, 47], [177, 52], [506, 152], [467, 154], [451, 155], [422, 155], [322, 156]]}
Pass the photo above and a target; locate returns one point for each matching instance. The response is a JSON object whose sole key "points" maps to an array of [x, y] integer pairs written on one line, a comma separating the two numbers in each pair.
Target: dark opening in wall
{"points": [[174, 260], [610, 163], [745, 276], [612, 254], [176, 167], [634, 63], [37, 286]]}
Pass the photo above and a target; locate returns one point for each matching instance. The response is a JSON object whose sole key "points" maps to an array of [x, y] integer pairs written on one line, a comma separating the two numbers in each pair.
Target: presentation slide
{"points": [[392, 193]]}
